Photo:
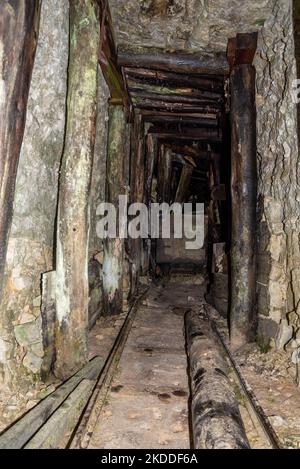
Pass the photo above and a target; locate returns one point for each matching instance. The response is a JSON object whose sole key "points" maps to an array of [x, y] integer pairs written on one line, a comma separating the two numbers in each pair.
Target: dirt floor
{"points": [[147, 406], [271, 376], [101, 340]]}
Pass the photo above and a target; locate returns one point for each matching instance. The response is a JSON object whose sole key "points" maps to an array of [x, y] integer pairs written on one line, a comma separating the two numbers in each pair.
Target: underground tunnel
{"points": [[149, 224]]}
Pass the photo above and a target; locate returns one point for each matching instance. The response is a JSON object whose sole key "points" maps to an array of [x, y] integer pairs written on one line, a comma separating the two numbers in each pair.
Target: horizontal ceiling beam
{"points": [[175, 107], [184, 115], [200, 63], [203, 134], [137, 96], [173, 91], [162, 119], [205, 83]]}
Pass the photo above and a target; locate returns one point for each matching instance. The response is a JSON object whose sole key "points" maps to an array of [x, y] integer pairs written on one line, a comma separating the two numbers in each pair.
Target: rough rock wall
{"points": [[30, 249], [185, 25], [278, 167]]}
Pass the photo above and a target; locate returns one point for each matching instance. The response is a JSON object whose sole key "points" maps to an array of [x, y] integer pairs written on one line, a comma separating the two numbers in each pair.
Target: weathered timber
{"points": [[218, 192], [243, 199], [56, 432], [108, 55], [194, 152], [151, 153], [115, 186], [204, 63], [184, 115], [195, 121], [241, 49], [188, 133], [216, 419], [139, 95], [205, 83], [22, 431], [184, 182], [137, 186], [72, 289], [48, 313], [206, 107], [164, 174], [19, 22], [135, 87], [202, 82], [167, 173]]}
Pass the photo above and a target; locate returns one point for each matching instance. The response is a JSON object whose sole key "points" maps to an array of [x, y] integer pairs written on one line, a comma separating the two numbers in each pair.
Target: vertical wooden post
{"points": [[184, 181], [151, 147], [243, 192], [115, 186], [151, 154], [18, 39], [137, 187], [73, 208]]}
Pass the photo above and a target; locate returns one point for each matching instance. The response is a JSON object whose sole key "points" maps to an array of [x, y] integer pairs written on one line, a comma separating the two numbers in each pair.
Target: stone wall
{"points": [[30, 249], [278, 167]]}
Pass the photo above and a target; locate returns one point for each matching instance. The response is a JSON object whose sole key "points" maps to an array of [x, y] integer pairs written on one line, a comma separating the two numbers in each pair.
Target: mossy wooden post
{"points": [[115, 186], [137, 187], [243, 192], [74, 188], [18, 39]]}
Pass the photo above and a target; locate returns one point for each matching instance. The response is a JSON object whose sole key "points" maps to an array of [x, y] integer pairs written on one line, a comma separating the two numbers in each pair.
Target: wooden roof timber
{"points": [[112, 72], [159, 105], [165, 113], [137, 96], [165, 89], [195, 153], [165, 119], [214, 63], [202, 82], [203, 134]]}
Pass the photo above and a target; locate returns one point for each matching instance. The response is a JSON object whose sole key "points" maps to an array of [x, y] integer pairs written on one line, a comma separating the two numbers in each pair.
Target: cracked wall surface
{"points": [[30, 248], [278, 167]]}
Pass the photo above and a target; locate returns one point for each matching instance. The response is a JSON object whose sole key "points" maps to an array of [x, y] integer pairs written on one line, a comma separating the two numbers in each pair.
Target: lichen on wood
{"points": [[74, 188]]}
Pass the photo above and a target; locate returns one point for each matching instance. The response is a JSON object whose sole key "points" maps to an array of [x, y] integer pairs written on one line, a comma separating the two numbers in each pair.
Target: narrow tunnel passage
{"points": [[149, 232]]}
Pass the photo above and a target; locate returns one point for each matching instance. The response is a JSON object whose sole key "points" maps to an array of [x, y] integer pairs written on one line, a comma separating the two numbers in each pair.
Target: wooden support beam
{"points": [[166, 169], [19, 22], [203, 108], [184, 183], [137, 186], [243, 197], [194, 152], [205, 134], [151, 156], [108, 56], [208, 83], [184, 115], [161, 119], [136, 87], [164, 173], [218, 192], [196, 63], [138, 95], [72, 288], [115, 185]]}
